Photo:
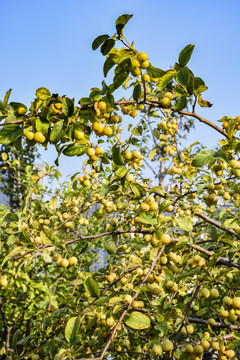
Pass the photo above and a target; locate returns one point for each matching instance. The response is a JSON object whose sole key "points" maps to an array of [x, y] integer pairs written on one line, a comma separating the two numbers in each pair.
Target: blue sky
{"points": [[48, 43]]}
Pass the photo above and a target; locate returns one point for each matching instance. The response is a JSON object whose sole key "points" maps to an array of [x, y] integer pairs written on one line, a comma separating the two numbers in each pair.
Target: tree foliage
{"points": [[170, 288]]}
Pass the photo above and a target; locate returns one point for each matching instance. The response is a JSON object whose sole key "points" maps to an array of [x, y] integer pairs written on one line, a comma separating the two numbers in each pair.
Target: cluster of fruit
{"points": [[62, 262], [196, 352], [108, 206], [94, 154], [229, 120], [164, 239], [166, 103], [196, 261], [133, 158], [230, 308], [175, 169], [148, 205], [37, 136], [139, 63]]}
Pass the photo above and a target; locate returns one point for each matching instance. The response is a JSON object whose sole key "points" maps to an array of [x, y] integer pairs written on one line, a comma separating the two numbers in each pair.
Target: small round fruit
{"points": [[145, 64], [135, 63], [72, 261], [190, 329], [140, 106], [130, 177], [39, 137], [110, 322], [165, 238], [198, 350], [144, 206], [107, 130], [58, 105], [21, 111], [157, 349], [90, 152], [57, 256], [167, 345], [79, 135], [35, 357], [128, 298], [232, 318], [135, 304], [205, 344], [211, 322], [236, 302], [165, 102], [142, 56], [227, 301], [64, 263], [3, 282], [205, 293], [99, 151], [29, 135], [102, 105], [189, 349], [214, 293], [145, 78]]}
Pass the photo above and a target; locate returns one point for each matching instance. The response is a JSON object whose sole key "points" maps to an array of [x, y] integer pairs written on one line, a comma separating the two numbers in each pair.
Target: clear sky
{"points": [[48, 43]]}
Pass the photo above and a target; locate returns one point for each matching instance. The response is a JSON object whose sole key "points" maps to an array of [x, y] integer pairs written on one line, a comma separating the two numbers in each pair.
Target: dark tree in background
{"points": [[16, 162]]}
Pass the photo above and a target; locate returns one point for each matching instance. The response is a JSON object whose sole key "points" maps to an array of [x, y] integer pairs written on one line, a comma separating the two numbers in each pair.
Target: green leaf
{"points": [[236, 335], [15, 340], [11, 254], [121, 22], [47, 237], [9, 134], [155, 73], [203, 158], [71, 329], [99, 40], [161, 327], [185, 356], [6, 97], [46, 257], [137, 92], [117, 156], [164, 205], [181, 103], [57, 131], [43, 93], [92, 287], [147, 218], [185, 55], [75, 149], [85, 101], [60, 355], [138, 190], [203, 103], [11, 217], [42, 125], [121, 171], [183, 76], [109, 63], [137, 131], [184, 223], [138, 321], [53, 202], [67, 106], [107, 46], [152, 153], [165, 79]]}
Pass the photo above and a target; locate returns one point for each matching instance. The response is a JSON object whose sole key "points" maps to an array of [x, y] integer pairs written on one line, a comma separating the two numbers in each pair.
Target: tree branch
{"points": [[129, 305], [188, 307]]}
